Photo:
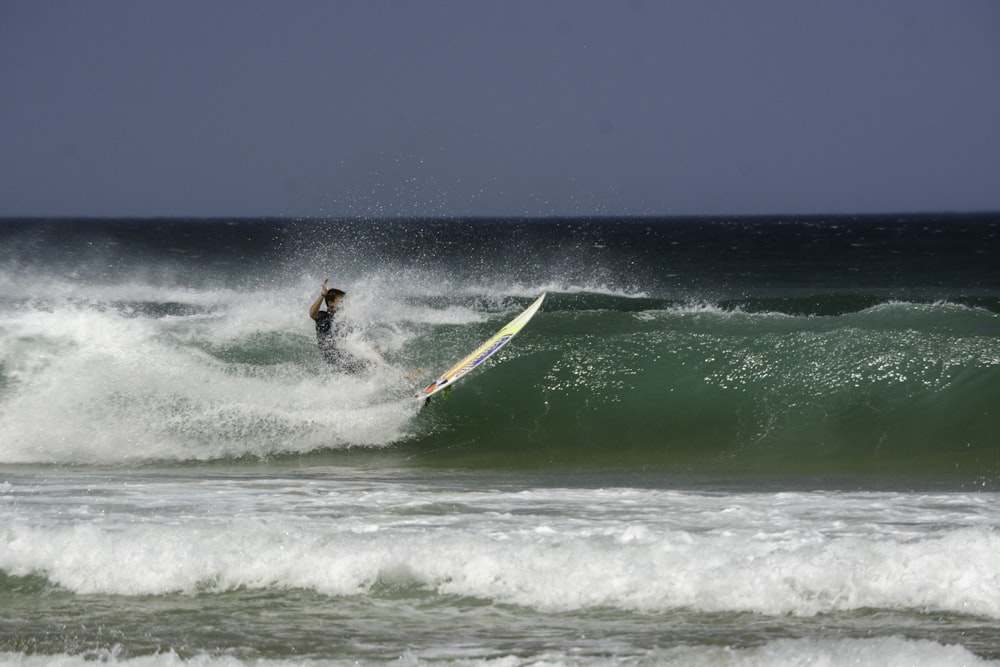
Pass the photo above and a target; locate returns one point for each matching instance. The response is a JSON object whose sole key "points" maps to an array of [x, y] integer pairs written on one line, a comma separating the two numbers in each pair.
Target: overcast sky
{"points": [[503, 107]]}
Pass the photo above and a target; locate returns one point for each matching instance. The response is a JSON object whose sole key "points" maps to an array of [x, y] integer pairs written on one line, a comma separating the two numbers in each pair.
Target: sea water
{"points": [[721, 442]]}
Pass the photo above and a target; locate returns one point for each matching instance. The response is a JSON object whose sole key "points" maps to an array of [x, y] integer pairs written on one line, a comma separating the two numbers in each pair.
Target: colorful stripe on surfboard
{"points": [[483, 352]]}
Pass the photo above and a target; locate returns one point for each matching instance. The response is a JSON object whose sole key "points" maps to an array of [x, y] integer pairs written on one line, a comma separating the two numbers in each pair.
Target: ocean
{"points": [[722, 441]]}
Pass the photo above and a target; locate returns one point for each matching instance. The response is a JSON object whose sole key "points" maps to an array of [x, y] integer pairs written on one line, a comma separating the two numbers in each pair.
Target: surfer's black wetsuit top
{"points": [[328, 333]]}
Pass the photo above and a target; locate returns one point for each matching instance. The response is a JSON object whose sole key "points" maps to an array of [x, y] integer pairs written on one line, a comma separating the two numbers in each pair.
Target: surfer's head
{"points": [[333, 297]]}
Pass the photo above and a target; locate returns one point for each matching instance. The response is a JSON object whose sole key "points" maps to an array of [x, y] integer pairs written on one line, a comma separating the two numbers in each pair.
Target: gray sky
{"points": [[517, 107]]}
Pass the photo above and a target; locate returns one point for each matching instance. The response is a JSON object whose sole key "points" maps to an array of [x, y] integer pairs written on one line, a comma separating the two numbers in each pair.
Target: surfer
{"points": [[329, 330]]}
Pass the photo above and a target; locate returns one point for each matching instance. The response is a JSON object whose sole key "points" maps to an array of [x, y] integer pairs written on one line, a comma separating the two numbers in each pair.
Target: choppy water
{"points": [[720, 442]]}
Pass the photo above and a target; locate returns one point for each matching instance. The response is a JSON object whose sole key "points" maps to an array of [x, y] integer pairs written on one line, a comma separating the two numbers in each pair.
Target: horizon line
{"points": [[469, 218]]}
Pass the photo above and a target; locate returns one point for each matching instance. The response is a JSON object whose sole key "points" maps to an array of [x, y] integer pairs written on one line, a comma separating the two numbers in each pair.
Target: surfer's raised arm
{"points": [[314, 309]]}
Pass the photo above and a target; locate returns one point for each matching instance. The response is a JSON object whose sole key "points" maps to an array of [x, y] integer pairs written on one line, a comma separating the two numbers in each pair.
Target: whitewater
{"points": [[785, 453]]}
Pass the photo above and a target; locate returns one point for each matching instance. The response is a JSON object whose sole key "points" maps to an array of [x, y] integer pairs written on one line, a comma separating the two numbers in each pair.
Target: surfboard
{"points": [[483, 352]]}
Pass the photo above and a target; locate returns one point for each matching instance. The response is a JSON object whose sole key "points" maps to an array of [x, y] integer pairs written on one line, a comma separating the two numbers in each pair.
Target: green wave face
{"points": [[908, 387]]}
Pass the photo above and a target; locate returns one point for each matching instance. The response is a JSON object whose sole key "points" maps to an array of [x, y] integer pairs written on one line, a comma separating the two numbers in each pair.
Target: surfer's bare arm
{"points": [[314, 309]]}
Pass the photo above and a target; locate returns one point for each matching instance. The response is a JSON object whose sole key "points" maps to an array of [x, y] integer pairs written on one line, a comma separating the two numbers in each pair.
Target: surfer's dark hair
{"points": [[334, 292]]}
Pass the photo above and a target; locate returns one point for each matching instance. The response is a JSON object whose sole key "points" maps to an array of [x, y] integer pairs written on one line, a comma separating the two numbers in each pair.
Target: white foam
{"points": [[91, 384], [559, 550], [137, 370]]}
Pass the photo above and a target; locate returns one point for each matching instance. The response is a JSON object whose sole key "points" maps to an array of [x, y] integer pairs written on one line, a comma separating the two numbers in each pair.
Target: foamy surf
{"points": [[557, 550]]}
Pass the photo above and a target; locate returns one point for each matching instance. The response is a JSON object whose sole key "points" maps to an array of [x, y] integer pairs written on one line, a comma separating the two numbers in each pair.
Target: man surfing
{"points": [[330, 331]]}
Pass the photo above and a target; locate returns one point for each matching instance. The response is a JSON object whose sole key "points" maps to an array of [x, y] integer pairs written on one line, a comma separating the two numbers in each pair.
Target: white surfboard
{"points": [[483, 352]]}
